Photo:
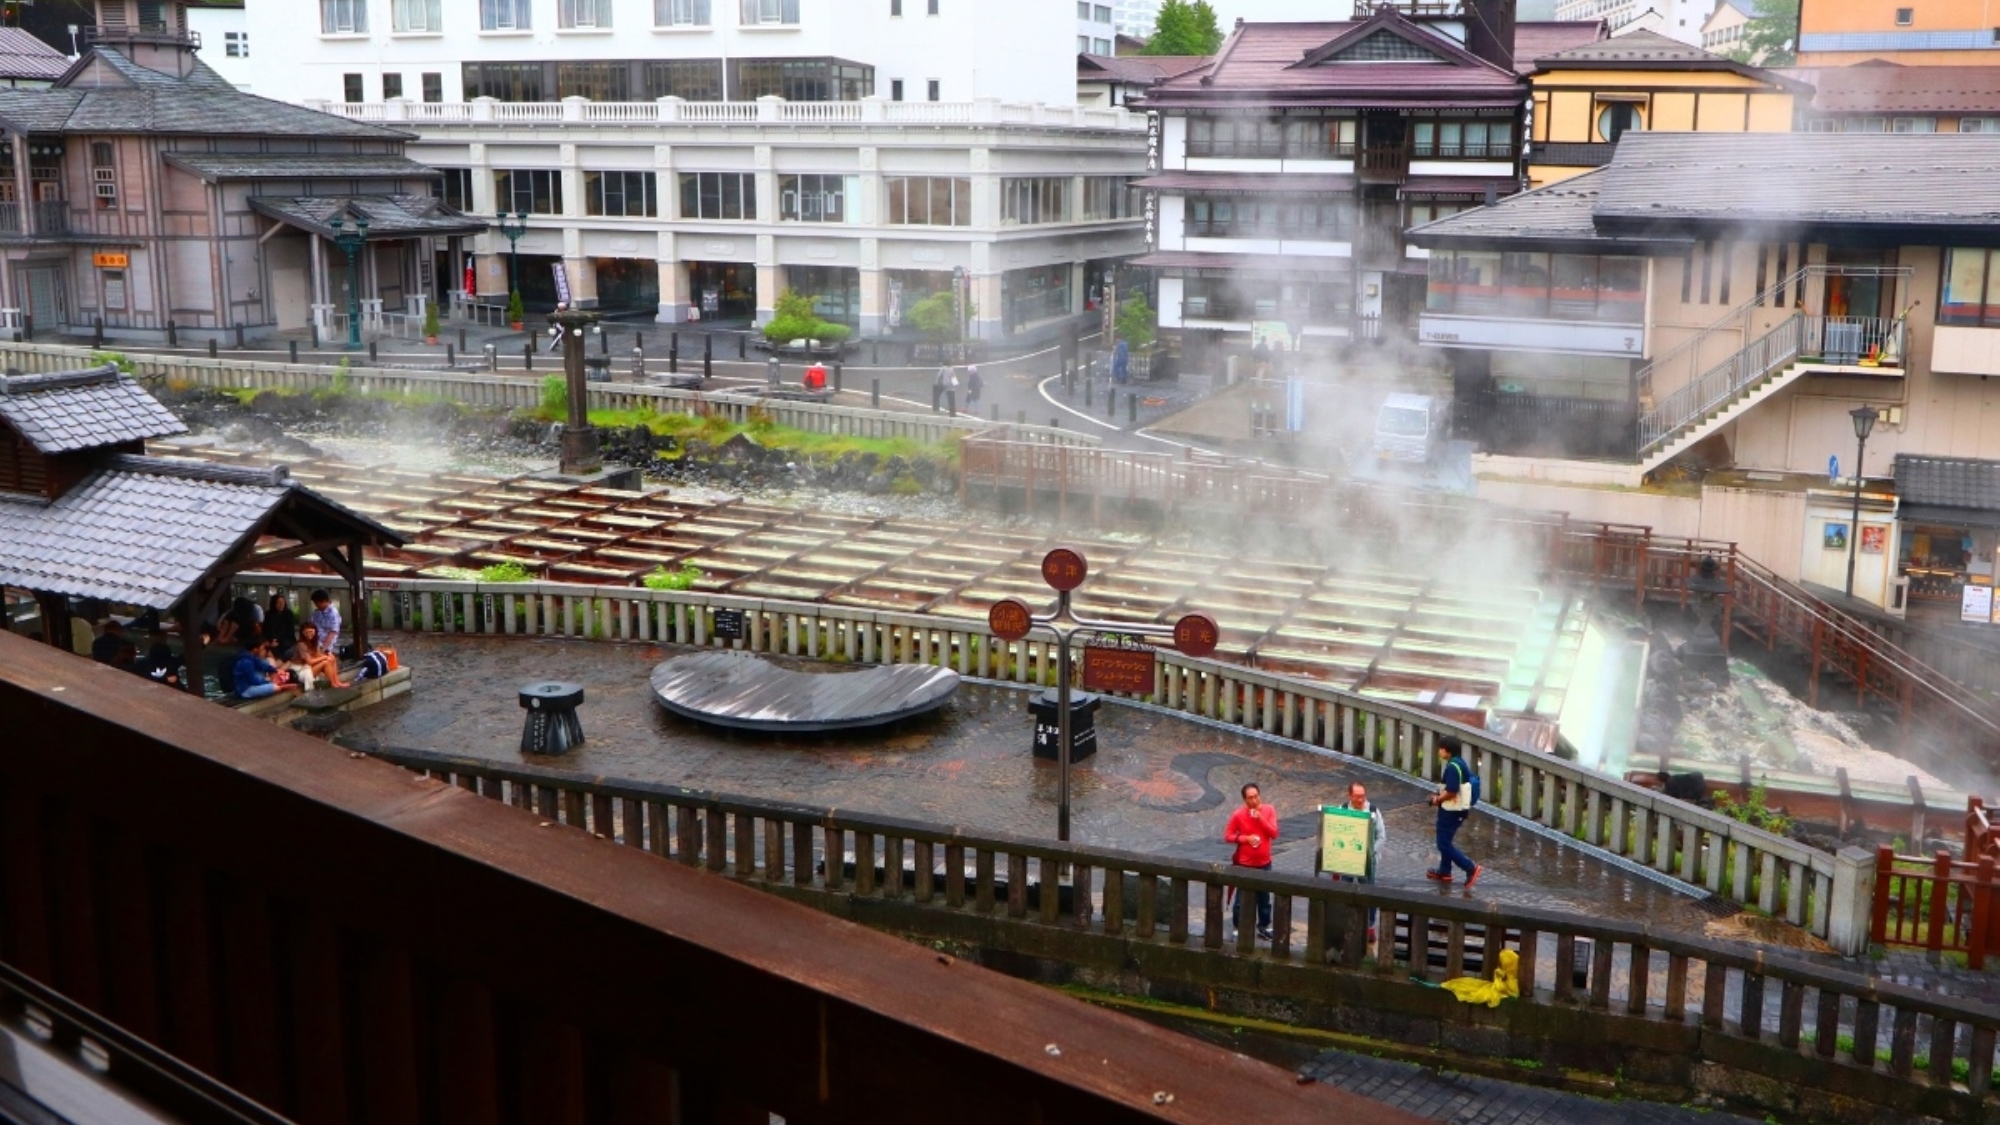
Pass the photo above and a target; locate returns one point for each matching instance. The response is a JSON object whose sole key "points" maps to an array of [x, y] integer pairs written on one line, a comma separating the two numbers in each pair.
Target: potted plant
{"points": [[431, 323], [516, 313]]}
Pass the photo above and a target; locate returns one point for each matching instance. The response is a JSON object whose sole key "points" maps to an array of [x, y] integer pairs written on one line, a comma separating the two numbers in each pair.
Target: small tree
{"points": [[936, 316], [516, 311], [1186, 28], [1771, 38], [430, 319], [1135, 321], [794, 318]]}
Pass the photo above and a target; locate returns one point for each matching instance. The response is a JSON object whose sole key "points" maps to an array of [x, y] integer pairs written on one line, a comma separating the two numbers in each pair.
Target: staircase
{"points": [[1722, 394]]}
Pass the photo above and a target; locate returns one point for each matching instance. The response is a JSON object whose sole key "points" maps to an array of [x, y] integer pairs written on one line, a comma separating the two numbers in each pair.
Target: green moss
{"points": [[506, 572], [663, 579]]}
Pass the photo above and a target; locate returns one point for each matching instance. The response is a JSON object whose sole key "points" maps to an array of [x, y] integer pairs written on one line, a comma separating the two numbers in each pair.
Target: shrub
{"points": [[430, 318], [935, 316], [516, 311], [555, 398], [505, 572], [663, 579], [119, 360], [1135, 321], [794, 318]]}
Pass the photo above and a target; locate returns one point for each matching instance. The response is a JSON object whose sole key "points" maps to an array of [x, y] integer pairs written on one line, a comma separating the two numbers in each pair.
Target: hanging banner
{"points": [[562, 283]]}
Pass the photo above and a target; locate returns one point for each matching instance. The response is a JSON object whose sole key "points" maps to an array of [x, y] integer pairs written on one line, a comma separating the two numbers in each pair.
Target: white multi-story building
{"points": [[222, 28], [1095, 32], [638, 50], [1136, 17], [1680, 20]]}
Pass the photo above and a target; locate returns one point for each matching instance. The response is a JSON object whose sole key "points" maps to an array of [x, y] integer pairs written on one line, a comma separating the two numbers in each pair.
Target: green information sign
{"points": [[1346, 841]]}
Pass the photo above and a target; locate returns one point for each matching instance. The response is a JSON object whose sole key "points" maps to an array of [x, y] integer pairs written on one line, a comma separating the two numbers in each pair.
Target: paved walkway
{"points": [[1465, 1099], [1158, 784]]}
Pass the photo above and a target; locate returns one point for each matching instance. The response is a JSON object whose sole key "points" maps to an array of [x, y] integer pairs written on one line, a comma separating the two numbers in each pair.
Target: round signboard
{"points": [[1009, 619], [1064, 569], [1196, 634]]}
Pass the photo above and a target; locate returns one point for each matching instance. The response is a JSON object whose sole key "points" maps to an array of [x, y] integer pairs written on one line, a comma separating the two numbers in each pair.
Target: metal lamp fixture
{"points": [[1864, 424], [350, 243], [512, 230]]}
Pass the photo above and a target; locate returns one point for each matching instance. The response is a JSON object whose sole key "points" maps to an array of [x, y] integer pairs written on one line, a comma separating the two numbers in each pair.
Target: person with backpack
{"points": [[1454, 800]]}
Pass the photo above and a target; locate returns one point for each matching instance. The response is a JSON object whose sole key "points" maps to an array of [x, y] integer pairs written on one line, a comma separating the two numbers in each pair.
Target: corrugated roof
{"points": [[1555, 216], [1889, 89], [386, 214], [299, 166], [1804, 178], [24, 56], [64, 412], [1947, 482]]}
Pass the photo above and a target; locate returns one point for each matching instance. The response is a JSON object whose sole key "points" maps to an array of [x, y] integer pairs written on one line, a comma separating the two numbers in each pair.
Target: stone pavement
{"points": [[1158, 784], [1464, 1099]]}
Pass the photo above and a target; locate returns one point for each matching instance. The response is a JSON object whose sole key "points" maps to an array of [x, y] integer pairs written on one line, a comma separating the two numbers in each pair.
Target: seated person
{"points": [[253, 673], [160, 664], [307, 654], [221, 631], [281, 624], [104, 649], [248, 618]]}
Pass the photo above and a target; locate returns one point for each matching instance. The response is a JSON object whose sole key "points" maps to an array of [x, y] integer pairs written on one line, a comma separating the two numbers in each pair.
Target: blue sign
{"points": [[1295, 403], [1833, 467]]}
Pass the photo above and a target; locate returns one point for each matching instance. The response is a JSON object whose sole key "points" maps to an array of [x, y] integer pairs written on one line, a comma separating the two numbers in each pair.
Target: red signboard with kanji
{"points": [[1196, 634], [1109, 668], [1064, 569], [1009, 619]]}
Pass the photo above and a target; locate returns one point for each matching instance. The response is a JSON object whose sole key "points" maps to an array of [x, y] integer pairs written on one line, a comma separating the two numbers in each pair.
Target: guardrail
{"points": [[1756, 1000], [515, 392], [1827, 895], [763, 111]]}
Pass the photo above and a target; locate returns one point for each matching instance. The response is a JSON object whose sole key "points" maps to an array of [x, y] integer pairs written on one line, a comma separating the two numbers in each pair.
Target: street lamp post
{"points": [[1864, 421], [350, 243], [512, 230], [582, 453]]}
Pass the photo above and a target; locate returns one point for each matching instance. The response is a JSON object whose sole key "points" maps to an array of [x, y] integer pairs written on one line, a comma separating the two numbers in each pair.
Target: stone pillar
{"points": [[770, 278], [874, 302], [581, 454], [985, 324], [582, 281], [1851, 903]]}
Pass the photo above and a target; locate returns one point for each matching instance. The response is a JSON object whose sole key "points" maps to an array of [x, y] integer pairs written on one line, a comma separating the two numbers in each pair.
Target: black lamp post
{"points": [[512, 230], [350, 242], [1864, 421]]}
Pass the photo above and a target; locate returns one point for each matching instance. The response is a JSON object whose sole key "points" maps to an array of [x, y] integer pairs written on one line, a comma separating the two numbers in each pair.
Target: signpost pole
{"points": [[1062, 720]]}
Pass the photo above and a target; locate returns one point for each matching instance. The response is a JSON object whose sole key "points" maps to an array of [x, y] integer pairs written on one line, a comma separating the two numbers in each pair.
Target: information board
{"points": [[1977, 604], [1118, 668], [1346, 841], [729, 625]]}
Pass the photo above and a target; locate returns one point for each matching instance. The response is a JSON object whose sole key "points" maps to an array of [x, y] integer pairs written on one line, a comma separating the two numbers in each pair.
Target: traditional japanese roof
{"points": [[1649, 50], [214, 166], [1557, 217], [144, 531], [1387, 59], [387, 215], [1246, 183], [69, 411], [1537, 40], [107, 93], [24, 56], [1136, 70], [1924, 484], [1885, 88]]}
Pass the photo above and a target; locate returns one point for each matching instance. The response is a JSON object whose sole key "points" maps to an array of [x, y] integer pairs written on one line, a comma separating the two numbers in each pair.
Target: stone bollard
{"points": [[638, 363], [492, 358], [836, 376], [742, 345], [292, 347], [240, 345], [461, 337], [875, 393], [951, 403], [174, 335], [1132, 407], [1111, 402], [97, 331], [707, 356], [1086, 391], [211, 347], [528, 354], [450, 356], [373, 356]]}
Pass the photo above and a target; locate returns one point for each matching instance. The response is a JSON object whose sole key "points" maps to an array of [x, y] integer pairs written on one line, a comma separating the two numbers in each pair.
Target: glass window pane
{"points": [[1965, 289]]}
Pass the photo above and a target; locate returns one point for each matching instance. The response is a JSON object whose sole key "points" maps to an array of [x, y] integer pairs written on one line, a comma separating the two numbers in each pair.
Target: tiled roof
{"points": [[299, 166], [142, 100], [1266, 58], [1137, 70], [1536, 40], [1948, 482], [1435, 187], [24, 56], [386, 214], [1918, 180], [1633, 46], [64, 412], [1902, 89], [1556, 215]]}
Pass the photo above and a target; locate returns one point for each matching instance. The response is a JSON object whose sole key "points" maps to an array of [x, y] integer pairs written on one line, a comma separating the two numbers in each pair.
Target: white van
{"points": [[1410, 428]]}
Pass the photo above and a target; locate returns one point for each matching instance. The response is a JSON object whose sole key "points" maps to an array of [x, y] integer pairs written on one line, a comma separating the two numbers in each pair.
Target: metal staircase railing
{"points": [[1717, 385]]}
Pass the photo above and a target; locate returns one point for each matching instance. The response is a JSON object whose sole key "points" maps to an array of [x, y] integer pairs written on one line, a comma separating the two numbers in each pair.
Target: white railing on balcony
{"points": [[674, 111]]}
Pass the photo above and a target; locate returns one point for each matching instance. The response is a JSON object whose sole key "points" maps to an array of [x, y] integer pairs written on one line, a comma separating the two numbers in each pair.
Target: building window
{"points": [[1239, 299], [416, 15], [236, 44], [1913, 124], [1235, 137], [104, 174], [937, 90], [598, 81], [1031, 295], [815, 199], [1575, 287], [697, 80], [1617, 119], [433, 86], [1103, 46], [1103, 14], [1971, 290], [625, 194], [1462, 140], [507, 82], [350, 88], [1083, 10], [895, 89], [719, 195], [1032, 200], [1979, 124], [801, 80], [1905, 16], [343, 17], [1313, 220], [895, 7], [392, 86], [454, 189], [538, 191], [680, 13], [1421, 213], [756, 12], [1110, 197], [114, 288], [928, 201], [1083, 44], [933, 7], [583, 14], [505, 15]]}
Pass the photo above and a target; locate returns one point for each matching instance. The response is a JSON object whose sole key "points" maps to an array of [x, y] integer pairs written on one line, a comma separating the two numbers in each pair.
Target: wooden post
{"points": [[1940, 887]]}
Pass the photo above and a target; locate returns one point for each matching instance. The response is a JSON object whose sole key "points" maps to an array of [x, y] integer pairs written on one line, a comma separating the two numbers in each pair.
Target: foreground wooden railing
{"points": [[1843, 1020], [1828, 895]]}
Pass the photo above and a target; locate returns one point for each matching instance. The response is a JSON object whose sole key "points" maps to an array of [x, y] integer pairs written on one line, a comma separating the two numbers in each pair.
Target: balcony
{"points": [[1383, 164], [1567, 337], [45, 218], [149, 33], [1572, 154]]}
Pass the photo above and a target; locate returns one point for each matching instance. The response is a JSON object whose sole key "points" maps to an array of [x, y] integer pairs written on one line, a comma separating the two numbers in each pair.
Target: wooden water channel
{"points": [[1160, 918]]}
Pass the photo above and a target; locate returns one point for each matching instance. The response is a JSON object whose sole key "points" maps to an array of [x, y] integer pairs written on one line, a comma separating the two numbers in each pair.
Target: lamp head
{"points": [[336, 225], [1864, 420]]}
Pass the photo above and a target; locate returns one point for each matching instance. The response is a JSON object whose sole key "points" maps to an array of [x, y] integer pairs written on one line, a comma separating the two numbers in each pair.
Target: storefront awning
{"points": [[1937, 515], [388, 216]]}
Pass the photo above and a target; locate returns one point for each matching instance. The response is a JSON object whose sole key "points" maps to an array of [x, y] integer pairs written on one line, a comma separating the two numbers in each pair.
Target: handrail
{"points": [[1718, 384], [927, 870]]}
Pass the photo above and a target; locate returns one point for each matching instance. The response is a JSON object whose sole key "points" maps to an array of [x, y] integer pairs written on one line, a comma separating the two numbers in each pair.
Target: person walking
{"points": [[1252, 829], [1454, 803], [973, 385], [945, 380]]}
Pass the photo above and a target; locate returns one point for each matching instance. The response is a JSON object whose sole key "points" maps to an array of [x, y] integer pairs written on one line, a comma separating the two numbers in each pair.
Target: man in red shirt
{"points": [[1252, 828]]}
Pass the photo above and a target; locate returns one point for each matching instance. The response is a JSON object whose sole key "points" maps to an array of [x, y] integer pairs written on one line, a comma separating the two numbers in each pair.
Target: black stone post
{"points": [[292, 348], [581, 453], [836, 376], [1086, 390], [1111, 402], [240, 345], [28, 325], [604, 343], [875, 394], [528, 354], [674, 354], [374, 355], [1132, 407], [951, 403], [742, 345], [461, 337], [707, 357], [97, 331], [450, 356], [174, 335], [211, 347]]}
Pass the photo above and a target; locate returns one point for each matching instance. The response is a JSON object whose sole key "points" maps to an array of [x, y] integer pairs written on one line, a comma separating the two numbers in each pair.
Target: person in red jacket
{"points": [[1252, 828]]}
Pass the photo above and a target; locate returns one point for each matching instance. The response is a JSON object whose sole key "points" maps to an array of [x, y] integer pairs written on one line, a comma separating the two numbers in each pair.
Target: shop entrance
{"points": [[627, 283], [723, 290]]}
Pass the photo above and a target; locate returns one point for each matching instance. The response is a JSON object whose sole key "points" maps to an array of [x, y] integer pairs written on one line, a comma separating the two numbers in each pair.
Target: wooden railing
{"points": [[1824, 893], [1940, 904], [1761, 1002]]}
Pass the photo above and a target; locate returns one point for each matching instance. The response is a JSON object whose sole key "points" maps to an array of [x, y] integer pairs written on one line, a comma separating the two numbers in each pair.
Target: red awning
{"points": [[1457, 187], [1247, 183]]}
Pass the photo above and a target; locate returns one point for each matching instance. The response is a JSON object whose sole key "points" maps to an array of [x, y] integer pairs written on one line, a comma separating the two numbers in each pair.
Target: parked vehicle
{"points": [[1411, 429]]}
